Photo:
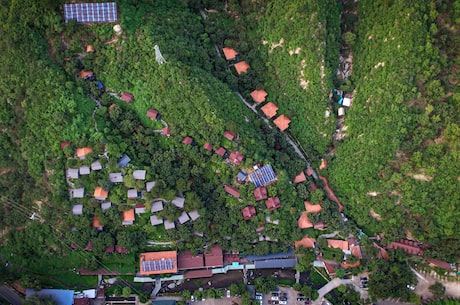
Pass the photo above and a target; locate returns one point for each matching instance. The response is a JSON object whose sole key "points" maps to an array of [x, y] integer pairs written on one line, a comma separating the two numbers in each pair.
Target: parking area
{"points": [[285, 296]]}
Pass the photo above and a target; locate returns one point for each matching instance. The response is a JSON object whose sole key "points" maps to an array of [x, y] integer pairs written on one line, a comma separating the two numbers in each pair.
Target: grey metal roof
{"points": [[287, 254], [96, 165], [169, 224], [149, 185], [77, 209], [72, 173], [78, 193], [155, 220], [116, 177], [194, 215], [183, 218], [156, 206], [105, 206], [84, 170], [132, 194], [124, 160], [139, 174], [276, 263], [178, 202]]}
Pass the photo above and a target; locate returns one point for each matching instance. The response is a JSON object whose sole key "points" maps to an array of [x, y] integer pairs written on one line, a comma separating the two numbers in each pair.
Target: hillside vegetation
{"points": [[401, 156]]}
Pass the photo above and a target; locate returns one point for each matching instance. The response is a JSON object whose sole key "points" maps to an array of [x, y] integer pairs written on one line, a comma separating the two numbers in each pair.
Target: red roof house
{"points": [[229, 53], [89, 49], [282, 122], [235, 158], [305, 242], [259, 95], [439, 263], [260, 193], [121, 250], [214, 258], [126, 97], [229, 135], [312, 208], [64, 144], [221, 151], [152, 114], [272, 203], [85, 74], [269, 109], [408, 246], [82, 152], [304, 222], [166, 132], [158, 262], [100, 193], [96, 223], [248, 212], [187, 140], [208, 146], [242, 67], [299, 178], [232, 190]]}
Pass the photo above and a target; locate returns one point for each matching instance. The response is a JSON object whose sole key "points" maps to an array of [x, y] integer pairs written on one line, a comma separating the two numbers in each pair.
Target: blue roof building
{"points": [[124, 160], [263, 176], [59, 296]]}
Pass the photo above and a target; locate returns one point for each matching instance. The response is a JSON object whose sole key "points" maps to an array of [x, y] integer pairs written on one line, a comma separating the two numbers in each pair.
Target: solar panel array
{"points": [[91, 12], [158, 265], [263, 176]]}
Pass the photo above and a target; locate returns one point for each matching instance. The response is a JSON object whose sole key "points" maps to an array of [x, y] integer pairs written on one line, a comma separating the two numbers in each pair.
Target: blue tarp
{"points": [[287, 254], [276, 263], [59, 296], [124, 160], [100, 85], [263, 176]]}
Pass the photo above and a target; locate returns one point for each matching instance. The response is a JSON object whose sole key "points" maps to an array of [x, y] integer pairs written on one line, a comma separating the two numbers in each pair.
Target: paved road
{"points": [[336, 283], [10, 295]]}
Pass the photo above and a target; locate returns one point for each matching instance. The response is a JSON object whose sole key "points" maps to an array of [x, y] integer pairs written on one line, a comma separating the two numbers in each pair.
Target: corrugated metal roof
{"points": [[263, 176], [276, 263], [91, 12]]}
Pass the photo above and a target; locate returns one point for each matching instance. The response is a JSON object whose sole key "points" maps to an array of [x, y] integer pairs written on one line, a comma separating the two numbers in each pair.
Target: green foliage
{"points": [[437, 289]]}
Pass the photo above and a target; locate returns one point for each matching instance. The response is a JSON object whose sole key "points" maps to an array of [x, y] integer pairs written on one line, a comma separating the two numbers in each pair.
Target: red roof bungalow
{"points": [[304, 222], [229, 135], [269, 109], [323, 164], [121, 250], [85, 74], [312, 208], [309, 172], [152, 114], [232, 191], [89, 49], [305, 242], [208, 146], [439, 263], [64, 144], [299, 178], [235, 158], [100, 193], [96, 223], [338, 244], [230, 53], [242, 67], [89, 246], [260, 193], [319, 226], [128, 217], [248, 212], [221, 151], [187, 141], [259, 95], [282, 122], [272, 203], [126, 97], [166, 132], [214, 258], [83, 152]]}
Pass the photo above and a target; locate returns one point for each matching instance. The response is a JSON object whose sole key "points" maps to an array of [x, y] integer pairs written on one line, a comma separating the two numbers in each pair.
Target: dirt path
{"points": [[426, 280]]}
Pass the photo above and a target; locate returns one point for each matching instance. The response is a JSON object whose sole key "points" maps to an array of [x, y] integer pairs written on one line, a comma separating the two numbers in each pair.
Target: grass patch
{"points": [[317, 276]]}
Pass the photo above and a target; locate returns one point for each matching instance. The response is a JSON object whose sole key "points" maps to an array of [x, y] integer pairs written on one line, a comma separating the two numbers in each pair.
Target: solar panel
{"points": [[158, 265], [91, 12], [263, 176]]}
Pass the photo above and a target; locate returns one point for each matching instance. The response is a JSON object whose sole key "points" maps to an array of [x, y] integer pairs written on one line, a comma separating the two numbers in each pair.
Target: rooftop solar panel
{"points": [[157, 265], [263, 176], [91, 12]]}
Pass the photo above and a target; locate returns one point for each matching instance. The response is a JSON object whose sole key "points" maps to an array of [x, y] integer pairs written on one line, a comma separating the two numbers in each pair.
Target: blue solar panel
{"points": [[263, 176], [158, 265], [91, 12]]}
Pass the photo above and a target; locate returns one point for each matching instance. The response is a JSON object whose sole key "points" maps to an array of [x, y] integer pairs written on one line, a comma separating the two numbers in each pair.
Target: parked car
{"points": [[300, 299], [258, 296], [283, 302], [192, 298], [228, 293], [363, 278], [283, 299]]}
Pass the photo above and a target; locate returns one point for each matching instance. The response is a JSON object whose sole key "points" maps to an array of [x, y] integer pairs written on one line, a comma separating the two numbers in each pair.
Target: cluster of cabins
{"points": [[259, 95], [100, 194]]}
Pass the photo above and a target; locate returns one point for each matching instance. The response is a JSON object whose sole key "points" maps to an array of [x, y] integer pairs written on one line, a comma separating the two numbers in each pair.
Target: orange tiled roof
{"points": [[100, 192], [84, 74], [81, 152], [242, 67], [259, 96], [89, 49], [337, 243], [249, 212], [128, 215], [304, 222], [269, 109], [229, 53], [96, 222], [323, 164], [312, 208], [158, 262], [299, 178], [306, 242], [282, 122]]}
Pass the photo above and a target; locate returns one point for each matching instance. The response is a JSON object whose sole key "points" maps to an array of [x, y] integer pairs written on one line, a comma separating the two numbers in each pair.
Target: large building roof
{"points": [[186, 260], [269, 109], [214, 258], [338, 244], [91, 12], [263, 176], [158, 262], [259, 95], [282, 122]]}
